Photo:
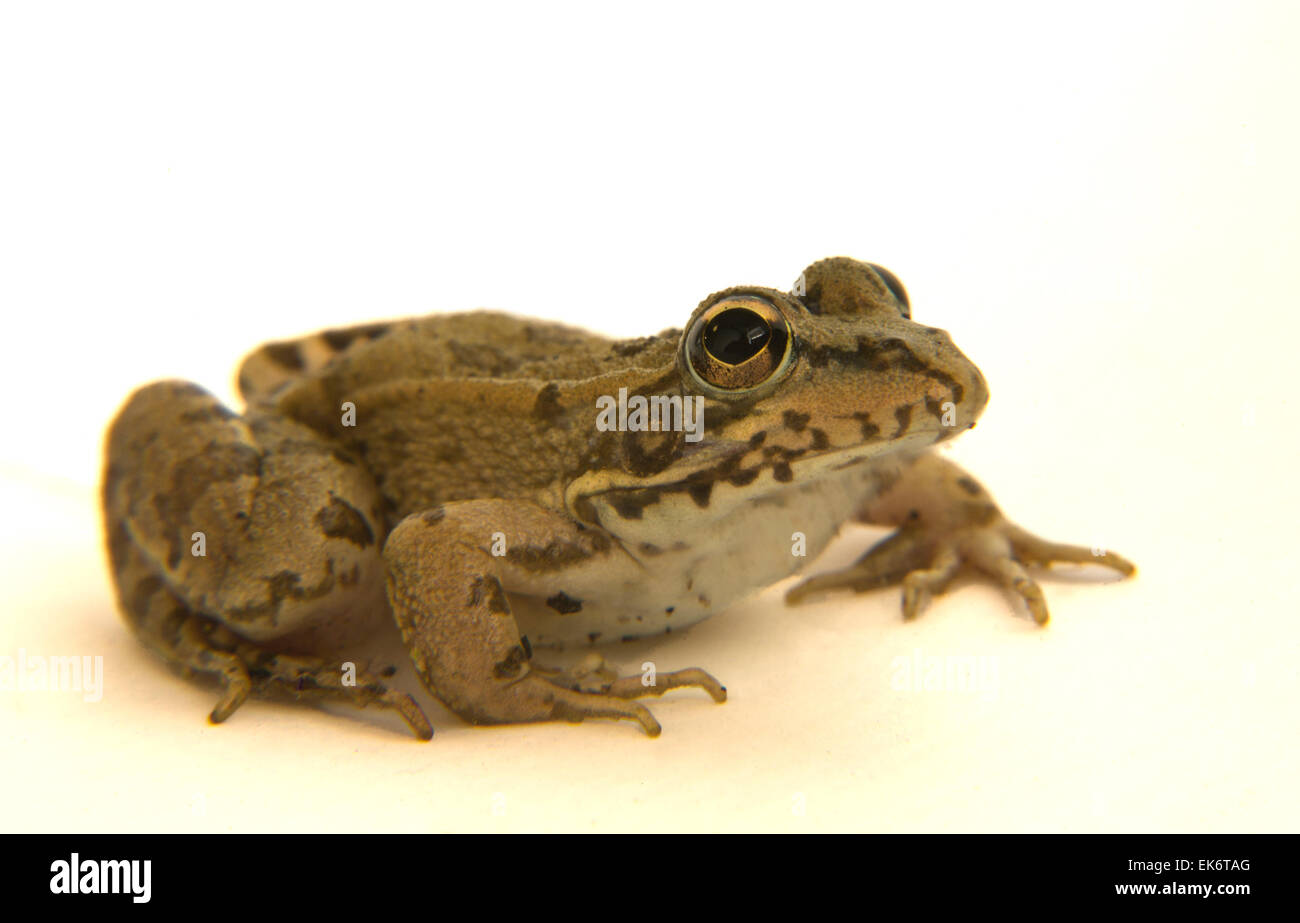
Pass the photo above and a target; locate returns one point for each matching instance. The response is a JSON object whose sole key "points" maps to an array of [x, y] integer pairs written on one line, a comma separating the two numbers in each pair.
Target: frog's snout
{"points": [[971, 389], [949, 367], [978, 388]]}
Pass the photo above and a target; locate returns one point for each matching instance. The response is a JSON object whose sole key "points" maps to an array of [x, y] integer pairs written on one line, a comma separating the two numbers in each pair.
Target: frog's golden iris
{"points": [[738, 343]]}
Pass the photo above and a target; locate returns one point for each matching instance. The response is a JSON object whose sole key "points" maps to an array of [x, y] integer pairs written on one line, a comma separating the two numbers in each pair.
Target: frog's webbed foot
{"points": [[195, 644], [945, 520], [247, 669], [290, 676], [593, 674]]}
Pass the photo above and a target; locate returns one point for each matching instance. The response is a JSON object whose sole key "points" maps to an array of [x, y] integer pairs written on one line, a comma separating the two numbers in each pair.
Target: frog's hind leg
{"points": [[195, 645], [228, 535], [447, 589]]}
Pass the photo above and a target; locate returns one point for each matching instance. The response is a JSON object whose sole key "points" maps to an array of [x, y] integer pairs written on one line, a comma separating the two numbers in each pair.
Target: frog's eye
{"points": [[895, 287], [738, 343]]}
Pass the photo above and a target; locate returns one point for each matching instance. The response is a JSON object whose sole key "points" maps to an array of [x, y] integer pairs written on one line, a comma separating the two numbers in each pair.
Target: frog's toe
{"points": [[537, 698], [920, 584], [238, 685], [886, 563], [1015, 579], [634, 687], [1030, 549], [594, 675]]}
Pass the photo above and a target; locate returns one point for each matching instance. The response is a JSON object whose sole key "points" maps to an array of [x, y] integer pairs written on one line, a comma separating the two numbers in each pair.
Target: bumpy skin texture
{"points": [[447, 472]]}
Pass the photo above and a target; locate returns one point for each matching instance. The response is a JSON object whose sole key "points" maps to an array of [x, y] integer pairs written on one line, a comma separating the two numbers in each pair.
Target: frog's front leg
{"points": [[448, 593], [945, 519]]}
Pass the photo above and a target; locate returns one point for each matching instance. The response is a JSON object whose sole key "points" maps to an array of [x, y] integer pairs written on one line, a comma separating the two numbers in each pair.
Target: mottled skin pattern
{"points": [[447, 472]]}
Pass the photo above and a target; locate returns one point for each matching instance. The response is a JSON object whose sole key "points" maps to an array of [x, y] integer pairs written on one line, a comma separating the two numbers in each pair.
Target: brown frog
{"points": [[494, 483]]}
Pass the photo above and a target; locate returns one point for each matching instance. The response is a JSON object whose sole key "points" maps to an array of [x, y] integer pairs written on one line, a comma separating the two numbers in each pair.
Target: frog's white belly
{"points": [[698, 571]]}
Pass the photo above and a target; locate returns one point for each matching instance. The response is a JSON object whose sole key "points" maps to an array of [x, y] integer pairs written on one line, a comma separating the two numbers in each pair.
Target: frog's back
{"points": [[472, 345], [452, 407]]}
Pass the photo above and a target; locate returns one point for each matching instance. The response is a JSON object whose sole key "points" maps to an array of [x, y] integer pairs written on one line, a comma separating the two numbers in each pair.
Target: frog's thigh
{"points": [[446, 590], [215, 521], [257, 522]]}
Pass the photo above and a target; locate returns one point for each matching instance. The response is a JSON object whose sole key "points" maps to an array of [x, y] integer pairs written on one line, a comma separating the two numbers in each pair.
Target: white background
{"points": [[1099, 204]]}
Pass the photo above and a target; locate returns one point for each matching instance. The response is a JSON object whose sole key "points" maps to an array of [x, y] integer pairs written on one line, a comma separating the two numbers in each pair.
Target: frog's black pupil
{"points": [[736, 335]]}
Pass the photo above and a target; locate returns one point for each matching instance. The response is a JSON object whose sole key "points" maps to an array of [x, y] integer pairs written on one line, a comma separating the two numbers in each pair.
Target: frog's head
{"points": [[795, 386], [830, 374]]}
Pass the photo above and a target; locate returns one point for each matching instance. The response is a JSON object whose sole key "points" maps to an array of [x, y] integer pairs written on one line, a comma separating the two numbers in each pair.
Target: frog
{"points": [[494, 486]]}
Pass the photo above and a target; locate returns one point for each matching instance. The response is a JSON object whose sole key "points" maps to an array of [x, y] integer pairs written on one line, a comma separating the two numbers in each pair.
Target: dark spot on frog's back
{"points": [[781, 471], [795, 420], [700, 493], [343, 520], [285, 355], [970, 486], [547, 406], [564, 604], [342, 339]]}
